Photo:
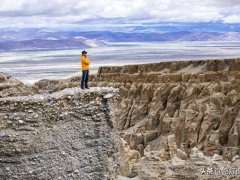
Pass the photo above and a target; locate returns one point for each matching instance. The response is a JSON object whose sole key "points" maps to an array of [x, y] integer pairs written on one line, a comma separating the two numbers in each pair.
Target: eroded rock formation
{"points": [[176, 118]]}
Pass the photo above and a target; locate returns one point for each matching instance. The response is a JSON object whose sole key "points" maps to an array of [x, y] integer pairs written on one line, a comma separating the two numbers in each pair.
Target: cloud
{"points": [[232, 19], [62, 13]]}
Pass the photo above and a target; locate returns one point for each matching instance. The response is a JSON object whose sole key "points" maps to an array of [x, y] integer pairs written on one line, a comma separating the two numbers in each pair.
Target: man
{"points": [[85, 70]]}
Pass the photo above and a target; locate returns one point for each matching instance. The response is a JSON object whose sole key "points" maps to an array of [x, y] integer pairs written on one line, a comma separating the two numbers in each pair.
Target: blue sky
{"points": [[122, 15]]}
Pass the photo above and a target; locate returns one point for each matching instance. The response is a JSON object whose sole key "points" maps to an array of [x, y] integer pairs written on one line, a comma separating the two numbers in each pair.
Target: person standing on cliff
{"points": [[85, 70]]}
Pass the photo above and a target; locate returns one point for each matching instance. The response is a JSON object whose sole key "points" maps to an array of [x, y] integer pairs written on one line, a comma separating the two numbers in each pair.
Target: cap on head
{"points": [[84, 52]]}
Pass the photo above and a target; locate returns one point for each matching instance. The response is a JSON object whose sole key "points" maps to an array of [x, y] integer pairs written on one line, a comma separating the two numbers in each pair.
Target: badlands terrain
{"points": [[168, 120]]}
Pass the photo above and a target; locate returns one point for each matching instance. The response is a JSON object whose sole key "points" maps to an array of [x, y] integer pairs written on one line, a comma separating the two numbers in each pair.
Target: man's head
{"points": [[84, 53]]}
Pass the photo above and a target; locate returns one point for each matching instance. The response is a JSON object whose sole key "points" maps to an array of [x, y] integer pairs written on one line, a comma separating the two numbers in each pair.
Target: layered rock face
{"points": [[65, 135], [177, 119]]}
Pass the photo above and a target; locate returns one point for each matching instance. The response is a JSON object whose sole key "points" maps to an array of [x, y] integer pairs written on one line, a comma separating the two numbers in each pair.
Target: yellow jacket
{"points": [[85, 63]]}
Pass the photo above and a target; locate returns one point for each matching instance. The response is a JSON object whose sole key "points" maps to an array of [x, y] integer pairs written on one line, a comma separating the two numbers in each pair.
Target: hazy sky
{"points": [[96, 14]]}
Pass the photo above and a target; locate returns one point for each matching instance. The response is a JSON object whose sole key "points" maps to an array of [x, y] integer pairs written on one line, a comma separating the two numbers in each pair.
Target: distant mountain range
{"points": [[20, 39], [34, 44], [41, 40], [155, 37]]}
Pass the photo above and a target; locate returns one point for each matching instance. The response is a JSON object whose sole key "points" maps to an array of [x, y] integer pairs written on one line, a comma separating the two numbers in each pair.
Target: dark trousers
{"points": [[84, 82]]}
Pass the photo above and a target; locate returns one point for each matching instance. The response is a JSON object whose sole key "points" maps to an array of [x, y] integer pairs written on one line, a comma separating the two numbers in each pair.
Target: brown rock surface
{"points": [[179, 116]]}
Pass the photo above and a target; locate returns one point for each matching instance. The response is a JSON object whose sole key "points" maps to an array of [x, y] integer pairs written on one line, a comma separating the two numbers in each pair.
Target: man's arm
{"points": [[85, 61]]}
